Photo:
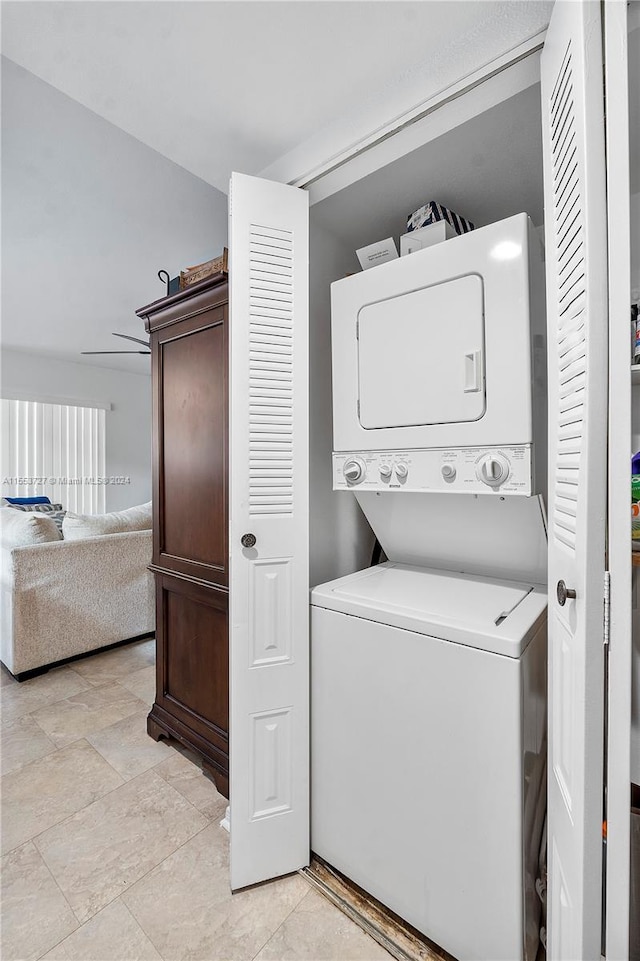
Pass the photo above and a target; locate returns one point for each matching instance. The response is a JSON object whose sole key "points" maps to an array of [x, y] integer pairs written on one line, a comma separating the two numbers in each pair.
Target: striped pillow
{"points": [[46, 508]]}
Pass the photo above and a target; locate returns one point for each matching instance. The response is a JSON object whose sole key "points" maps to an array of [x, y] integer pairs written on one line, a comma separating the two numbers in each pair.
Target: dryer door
{"points": [[421, 357]]}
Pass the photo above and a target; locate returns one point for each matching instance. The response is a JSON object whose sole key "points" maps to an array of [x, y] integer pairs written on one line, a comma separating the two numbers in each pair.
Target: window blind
{"points": [[54, 450]]}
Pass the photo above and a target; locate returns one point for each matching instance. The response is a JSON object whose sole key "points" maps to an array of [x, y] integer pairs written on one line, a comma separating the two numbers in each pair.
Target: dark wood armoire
{"points": [[189, 347]]}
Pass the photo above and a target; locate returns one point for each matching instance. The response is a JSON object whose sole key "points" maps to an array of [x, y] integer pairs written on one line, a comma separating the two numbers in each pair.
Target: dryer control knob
{"points": [[448, 471], [401, 471], [385, 471], [354, 471], [493, 470]]}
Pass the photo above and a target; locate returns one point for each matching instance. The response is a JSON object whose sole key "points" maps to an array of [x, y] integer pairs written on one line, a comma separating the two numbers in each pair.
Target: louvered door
{"points": [[269, 541], [575, 228]]}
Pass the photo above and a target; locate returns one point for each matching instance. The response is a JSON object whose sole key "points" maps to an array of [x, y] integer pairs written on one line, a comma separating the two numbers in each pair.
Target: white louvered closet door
{"points": [[269, 530], [575, 229]]}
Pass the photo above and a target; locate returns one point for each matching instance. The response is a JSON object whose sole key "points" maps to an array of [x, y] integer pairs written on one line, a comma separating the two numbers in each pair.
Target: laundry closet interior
{"points": [[428, 673]]}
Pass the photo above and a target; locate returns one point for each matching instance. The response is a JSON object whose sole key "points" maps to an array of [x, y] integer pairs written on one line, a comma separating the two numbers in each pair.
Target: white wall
{"points": [[341, 539], [128, 423]]}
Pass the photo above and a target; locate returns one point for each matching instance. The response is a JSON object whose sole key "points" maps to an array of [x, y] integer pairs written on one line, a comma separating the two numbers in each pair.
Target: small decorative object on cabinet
{"points": [[188, 332]]}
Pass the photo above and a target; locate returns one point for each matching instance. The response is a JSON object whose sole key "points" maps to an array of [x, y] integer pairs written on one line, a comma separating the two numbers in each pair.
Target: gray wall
{"points": [[128, 423], [89, 215], [341, 540]]}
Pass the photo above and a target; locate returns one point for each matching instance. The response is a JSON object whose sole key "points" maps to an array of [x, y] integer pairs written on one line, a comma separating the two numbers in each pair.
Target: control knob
{"points": [[448, 472], [401, 471], [385, 471], [354, 471], [493, 470]]}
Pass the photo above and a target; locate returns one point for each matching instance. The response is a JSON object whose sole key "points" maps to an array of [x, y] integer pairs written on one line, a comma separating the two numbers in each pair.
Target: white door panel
{"points": [[268, 602], [618, 556], [575, 228]]}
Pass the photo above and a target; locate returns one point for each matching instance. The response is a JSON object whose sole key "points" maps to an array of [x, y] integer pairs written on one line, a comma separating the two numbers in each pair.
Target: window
{"points": [[55, 450]]}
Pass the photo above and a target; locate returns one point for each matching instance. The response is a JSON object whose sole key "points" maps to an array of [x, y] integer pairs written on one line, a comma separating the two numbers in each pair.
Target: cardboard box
{"points": [[378, 253], [426, 237], [432, 212]]}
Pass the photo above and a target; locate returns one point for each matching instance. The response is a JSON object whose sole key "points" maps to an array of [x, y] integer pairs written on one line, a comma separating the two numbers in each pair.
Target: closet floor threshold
{"points": [[400, 939]]}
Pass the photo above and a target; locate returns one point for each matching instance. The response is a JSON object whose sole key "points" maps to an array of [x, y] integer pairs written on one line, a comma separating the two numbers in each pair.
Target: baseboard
{"points": [[400, 939], [37, 671]]}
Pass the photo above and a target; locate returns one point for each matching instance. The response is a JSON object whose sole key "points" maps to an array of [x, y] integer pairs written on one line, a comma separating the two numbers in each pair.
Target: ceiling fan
{"points": [[136, 340]]}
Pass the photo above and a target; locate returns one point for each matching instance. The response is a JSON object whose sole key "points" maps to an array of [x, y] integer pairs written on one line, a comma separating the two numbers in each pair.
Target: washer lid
{"points": [[493, 615]]}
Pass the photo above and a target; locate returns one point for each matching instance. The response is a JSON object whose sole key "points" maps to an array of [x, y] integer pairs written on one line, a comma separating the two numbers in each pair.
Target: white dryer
{"points": [[428, 725]]}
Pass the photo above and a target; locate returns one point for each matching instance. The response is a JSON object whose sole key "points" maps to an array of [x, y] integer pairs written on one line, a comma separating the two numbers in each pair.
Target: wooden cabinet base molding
{"points": [[216, 763]]}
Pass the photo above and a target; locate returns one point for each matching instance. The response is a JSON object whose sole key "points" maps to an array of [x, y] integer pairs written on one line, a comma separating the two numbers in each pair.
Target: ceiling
{"points": [[122, 121], [218, 86]]}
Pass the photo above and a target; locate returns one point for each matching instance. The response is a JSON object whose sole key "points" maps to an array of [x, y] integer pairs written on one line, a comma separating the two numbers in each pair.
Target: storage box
{"points": [[425, 237], [193, 275], [378, 253], [432, 212]]}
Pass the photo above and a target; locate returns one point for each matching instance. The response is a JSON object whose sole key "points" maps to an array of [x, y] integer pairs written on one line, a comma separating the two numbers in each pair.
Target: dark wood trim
{"points": [[168, 310], [189, 578]]}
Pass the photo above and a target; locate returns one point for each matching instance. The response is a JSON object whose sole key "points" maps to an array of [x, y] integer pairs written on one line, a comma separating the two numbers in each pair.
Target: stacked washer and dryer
{"points": [[429, 670]]}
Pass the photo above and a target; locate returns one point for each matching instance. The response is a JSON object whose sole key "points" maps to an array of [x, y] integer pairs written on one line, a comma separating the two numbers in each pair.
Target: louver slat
{"points": [[270, 371], [571, 356]]}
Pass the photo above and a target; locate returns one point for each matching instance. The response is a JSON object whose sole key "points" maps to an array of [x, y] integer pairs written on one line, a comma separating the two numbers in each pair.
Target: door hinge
{"points": [[606, 608]]}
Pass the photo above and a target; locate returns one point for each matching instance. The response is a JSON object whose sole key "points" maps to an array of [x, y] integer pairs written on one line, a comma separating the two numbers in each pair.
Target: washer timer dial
{"points": [[493, 470], [354, 471]]}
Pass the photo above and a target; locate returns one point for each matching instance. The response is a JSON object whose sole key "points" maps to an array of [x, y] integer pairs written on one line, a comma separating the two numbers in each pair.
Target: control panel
{"points": [[469, 470]]}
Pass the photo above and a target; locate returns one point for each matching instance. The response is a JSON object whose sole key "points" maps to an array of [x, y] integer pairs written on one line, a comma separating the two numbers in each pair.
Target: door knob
{"points": [[563, 592], [248, 540]]}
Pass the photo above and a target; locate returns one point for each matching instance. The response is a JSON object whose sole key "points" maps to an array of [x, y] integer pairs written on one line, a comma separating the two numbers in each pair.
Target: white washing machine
{"points": [[428, 750], [428, 672]]}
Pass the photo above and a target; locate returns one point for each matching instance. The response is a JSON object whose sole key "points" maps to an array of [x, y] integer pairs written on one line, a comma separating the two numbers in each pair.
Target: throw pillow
{"points": [[77, 526], [25, 500], [25, 528], [58, 518], [40, 507]]}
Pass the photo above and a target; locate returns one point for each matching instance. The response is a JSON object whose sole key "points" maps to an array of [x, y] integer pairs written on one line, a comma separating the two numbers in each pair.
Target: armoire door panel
{"points": [[192, 469], [195, 684]]}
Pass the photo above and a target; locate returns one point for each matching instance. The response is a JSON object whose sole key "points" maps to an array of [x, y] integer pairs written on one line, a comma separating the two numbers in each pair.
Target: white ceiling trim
{"points": [[288, 168]]}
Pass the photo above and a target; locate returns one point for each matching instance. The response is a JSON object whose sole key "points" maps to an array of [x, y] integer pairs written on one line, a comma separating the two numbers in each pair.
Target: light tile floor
{"points": [[111, 843]]}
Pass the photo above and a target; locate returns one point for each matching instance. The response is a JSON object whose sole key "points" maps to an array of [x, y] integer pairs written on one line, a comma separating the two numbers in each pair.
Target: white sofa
{"points": [[68, 597]]}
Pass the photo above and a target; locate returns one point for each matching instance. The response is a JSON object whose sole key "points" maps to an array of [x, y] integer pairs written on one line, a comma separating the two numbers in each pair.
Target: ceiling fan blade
{"points": [[136, 340], [144, 353]]}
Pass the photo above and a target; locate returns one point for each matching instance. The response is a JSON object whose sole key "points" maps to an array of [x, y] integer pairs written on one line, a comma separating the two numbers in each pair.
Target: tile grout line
{"points": [[195, 834], [66, 900], [294, 908], [133, 777], [34, 837], [140, 879]]}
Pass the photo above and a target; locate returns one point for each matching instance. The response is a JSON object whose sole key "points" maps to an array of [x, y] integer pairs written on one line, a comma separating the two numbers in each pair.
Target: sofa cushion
{"points": [[25, 528], [77, 526]]}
